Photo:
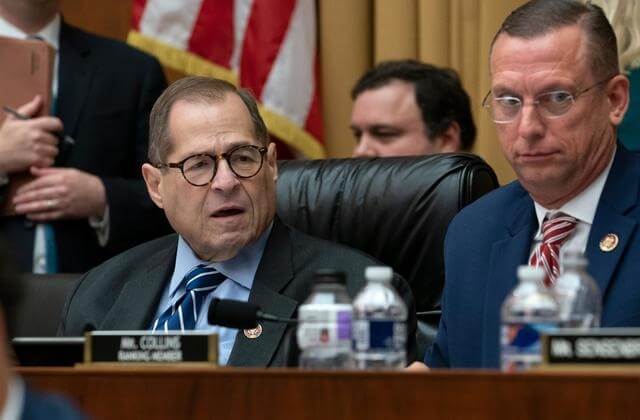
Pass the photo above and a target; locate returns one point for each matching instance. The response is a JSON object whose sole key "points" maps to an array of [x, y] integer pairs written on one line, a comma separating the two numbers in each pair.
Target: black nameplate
{"points": [[48, 351], [605, 346], [143, 347]]}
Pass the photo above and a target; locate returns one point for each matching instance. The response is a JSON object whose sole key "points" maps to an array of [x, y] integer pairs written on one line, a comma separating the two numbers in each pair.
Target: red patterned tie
{"points": [[555, 232]]}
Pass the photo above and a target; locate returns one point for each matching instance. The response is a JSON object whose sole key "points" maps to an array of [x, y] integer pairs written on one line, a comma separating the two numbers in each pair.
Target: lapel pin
{"points": [[253, 333], [609, 242]]}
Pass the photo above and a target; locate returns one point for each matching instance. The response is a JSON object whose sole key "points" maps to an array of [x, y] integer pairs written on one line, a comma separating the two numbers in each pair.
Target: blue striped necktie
{"points": [[182, 315]]}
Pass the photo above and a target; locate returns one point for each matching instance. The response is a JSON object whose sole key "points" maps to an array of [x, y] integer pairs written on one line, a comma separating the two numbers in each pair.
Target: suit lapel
{"points": [[74, 79], [139, 297], [620, 194], [274, 273], [507, 254]]}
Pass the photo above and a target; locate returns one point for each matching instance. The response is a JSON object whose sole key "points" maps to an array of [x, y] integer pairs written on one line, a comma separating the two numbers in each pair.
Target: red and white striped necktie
{"points": [[555, 232]]}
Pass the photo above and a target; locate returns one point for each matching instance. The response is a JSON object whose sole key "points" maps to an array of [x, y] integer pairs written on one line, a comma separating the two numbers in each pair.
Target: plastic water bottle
{"points": [[577, 293], [380, 323], [528, 311], [325, 323]]}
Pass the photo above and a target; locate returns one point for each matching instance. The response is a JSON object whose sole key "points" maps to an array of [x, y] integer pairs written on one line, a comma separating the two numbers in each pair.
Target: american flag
{"points": [[266, 46]]}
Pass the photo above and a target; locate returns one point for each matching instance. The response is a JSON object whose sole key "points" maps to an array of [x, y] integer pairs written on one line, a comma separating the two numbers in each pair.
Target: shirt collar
{"points": [[50, 33], [241, 268], [583, 206]]}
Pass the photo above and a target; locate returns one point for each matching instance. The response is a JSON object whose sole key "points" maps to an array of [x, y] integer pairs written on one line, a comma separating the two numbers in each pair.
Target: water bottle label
{"points": [[379, 335], [324, 326], [521, 342]]}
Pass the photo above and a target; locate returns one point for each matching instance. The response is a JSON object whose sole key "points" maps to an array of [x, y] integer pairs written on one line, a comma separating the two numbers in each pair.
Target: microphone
{"points": [[240, 315]]}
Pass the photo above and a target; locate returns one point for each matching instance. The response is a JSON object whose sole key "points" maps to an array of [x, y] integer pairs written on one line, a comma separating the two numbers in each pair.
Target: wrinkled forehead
{"points": [[209, 124]]}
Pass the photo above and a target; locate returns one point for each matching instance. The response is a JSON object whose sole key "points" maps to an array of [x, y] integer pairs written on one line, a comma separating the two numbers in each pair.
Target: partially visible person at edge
{"points": [[86, 200], [17, 400]]}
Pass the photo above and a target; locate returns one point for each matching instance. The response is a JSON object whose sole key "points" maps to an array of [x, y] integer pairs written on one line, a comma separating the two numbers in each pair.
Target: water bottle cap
{"points": [[530, 273], [329, 275], [378, 273]]}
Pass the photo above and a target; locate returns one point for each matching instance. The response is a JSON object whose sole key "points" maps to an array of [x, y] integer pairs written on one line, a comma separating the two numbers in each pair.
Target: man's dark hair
{"points": [[539, 17], [439, 95], [195, 89]]}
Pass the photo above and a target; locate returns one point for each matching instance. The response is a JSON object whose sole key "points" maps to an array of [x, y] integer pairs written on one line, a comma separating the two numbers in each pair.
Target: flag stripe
{"points": [[266, 29], [170, 21], [241, 12], [136, 13], [314, 117], [215, 21], [289, 88]]}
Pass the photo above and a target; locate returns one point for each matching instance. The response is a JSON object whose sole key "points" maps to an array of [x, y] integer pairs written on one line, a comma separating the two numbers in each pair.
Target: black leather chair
{"points": [[394, 209], [44, 295]]}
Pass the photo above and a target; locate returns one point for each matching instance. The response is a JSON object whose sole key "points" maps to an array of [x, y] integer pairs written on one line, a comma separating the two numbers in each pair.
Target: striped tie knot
{"points": [[182, 315], [555, 231], [558, 229]]}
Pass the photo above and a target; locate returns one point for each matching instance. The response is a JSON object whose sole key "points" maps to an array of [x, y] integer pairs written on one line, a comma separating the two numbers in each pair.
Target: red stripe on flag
{"points": [[136, 14], [213, 33], [313, 125], [266, 29]]}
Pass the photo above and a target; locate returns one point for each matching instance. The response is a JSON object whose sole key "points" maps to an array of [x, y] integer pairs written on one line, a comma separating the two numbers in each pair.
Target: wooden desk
{"points": [[181, 392]]}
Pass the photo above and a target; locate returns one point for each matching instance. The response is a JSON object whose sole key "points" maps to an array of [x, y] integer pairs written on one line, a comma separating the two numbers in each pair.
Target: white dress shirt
{"points": [[582, 207]]}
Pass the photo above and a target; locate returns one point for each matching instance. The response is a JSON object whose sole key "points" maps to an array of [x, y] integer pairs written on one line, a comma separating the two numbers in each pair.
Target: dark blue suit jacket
{"points": [[47, 407], [487, 241]]}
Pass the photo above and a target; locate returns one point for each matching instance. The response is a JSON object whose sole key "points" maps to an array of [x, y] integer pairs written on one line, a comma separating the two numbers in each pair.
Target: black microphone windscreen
{"points": [[233, 313]]}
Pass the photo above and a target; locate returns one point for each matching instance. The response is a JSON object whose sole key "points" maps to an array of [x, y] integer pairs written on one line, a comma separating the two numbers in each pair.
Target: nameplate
{"points": [[604, 346], [143, 347]]}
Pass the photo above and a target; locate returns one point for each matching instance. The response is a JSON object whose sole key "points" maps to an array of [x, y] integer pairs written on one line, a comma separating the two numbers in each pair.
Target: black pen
{"points": [[67, 139]]}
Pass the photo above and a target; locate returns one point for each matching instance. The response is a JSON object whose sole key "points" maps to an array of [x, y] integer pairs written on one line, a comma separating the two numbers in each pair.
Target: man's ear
{"points": [[272, 160], [618, 97], [449, 140], [153, 179]]}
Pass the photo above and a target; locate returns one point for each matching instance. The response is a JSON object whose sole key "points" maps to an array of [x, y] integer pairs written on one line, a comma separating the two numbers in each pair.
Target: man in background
{"points": [[410, 108], [86, 200]]}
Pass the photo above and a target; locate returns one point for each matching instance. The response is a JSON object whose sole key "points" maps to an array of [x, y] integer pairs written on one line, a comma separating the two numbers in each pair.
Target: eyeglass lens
{"points": [[550, 104], [245, 162]]}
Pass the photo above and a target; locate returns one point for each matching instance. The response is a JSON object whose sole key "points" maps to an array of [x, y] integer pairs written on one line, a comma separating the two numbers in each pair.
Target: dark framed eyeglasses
{"points": [[554, 104], [199, 170]]}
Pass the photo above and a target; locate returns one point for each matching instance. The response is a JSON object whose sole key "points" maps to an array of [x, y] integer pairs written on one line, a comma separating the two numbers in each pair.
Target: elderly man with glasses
{"points": [[556, 98], [213, 172]]}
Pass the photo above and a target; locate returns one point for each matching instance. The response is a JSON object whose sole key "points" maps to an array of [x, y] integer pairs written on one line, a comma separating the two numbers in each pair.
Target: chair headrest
{"points": [[395, 209]]}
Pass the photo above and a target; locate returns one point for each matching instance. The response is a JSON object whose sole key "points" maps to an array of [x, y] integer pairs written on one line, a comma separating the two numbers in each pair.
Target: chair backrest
{"points": [[39, 312], [395, 209]]}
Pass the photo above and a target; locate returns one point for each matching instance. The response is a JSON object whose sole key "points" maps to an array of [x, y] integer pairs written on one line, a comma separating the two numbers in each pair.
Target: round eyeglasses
{"points": [[505, 109], [199, 170]]}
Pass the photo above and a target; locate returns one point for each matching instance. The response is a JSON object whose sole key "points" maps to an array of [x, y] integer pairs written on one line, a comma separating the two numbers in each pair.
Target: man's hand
{"points": [[26, 143], [61, 193]]}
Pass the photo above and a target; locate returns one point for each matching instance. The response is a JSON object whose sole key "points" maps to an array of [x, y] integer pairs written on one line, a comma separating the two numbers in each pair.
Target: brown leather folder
{"points": [[26, 70]]}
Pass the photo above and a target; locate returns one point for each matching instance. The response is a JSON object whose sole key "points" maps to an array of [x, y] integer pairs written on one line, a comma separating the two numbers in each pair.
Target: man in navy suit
{"points": [[556, 97]]}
